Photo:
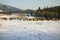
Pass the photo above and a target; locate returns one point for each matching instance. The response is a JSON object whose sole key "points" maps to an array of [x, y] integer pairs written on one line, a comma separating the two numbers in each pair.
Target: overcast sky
{"points": [[31, 4]]}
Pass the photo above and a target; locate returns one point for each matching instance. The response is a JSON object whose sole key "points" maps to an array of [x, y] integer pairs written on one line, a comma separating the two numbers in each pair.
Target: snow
{"points": [[1, 10], [29, 30], [29, 17]]}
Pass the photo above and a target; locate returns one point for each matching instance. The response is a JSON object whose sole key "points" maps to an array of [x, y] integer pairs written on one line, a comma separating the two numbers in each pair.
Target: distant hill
{"points": [[28, 11], [7, 8]]}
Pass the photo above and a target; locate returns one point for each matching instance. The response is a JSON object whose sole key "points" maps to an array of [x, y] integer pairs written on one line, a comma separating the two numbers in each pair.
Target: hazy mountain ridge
{"points": [[7, 8]]}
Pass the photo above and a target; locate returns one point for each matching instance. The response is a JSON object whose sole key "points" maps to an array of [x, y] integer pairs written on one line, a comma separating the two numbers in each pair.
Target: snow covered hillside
{"points": [[29, 30]]}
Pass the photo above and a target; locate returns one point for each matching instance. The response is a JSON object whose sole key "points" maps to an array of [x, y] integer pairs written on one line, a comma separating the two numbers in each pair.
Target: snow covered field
{"points": [[29, 30]]}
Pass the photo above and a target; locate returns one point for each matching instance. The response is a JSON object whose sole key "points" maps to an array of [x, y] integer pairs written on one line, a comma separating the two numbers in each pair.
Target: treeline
{"points": [[48, 13]]}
